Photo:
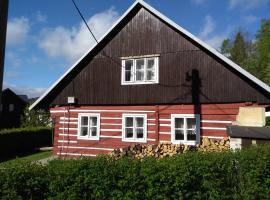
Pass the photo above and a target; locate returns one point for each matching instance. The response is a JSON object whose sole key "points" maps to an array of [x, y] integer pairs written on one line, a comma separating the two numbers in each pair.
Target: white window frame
{"points": [[134, 139], [185, 141], [87, 137], [134, 82]]}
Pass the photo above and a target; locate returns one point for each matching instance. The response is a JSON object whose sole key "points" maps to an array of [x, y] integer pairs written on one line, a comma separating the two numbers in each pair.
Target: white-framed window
{"points": [[185, 129], [11, 107], [134, 128], [89, 126], [141, 70]]}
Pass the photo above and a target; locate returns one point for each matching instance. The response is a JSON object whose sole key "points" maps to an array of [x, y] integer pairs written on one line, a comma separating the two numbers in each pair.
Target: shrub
{"points": [[22, 140], [194, 175], [267, 121]]}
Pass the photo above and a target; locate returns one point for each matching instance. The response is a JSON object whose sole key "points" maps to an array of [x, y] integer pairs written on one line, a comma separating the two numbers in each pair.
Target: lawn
{"points": [[29, 158]]}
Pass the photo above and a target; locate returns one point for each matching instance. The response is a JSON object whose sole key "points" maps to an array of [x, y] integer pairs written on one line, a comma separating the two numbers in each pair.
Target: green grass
{"points": [[29, 158]]}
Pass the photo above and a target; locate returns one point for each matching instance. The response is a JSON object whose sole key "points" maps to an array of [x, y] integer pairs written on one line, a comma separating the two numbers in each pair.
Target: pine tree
{"points": [[263, 51], [238, 52], [225, 48]]}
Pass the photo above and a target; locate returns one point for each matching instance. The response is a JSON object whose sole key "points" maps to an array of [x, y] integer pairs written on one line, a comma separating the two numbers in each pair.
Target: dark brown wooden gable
{"points": [[186, 70]]}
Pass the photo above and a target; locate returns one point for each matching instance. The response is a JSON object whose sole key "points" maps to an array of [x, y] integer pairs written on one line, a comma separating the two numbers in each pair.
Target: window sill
{"points": [[185, 142], [139, 83], [87, 138], [137, 141]]}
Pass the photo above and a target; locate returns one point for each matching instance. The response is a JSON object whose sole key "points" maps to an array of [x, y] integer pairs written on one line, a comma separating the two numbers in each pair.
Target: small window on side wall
{"points": [[11, 107], [134, 128], [185, 129], [140, 70], [89, 126]]}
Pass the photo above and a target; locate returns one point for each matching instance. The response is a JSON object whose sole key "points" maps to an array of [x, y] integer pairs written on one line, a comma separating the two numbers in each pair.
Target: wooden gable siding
{"points": [[97, 79], [213, 121]]}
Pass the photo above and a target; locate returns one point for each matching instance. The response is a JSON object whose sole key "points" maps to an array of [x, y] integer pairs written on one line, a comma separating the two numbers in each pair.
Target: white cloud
{"points": [[246, 4], [41, 17], [72, 43], [11, 74], [25, 90], [208, 28], [17, 30], [199, 2], [208, 34], [217, 39], [14, 59], [250, 19]]}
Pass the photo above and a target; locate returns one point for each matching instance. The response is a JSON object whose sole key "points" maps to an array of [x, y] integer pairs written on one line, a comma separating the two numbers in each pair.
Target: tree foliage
{"points": [[35, 118], [253, 55]]}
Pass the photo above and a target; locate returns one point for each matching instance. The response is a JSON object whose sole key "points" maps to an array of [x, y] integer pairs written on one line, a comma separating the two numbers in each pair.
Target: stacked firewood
{"points": [[167, 149], [208, 145]]}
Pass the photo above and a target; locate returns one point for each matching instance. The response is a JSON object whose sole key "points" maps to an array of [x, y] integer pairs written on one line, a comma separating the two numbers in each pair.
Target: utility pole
{"points": [[3, 30]]}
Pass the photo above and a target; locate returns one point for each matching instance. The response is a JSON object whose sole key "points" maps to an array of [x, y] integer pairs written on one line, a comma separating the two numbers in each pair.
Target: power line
{"points": [[84, 21]]}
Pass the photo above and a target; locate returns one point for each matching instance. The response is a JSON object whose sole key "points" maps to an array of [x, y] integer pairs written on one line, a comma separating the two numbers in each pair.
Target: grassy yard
{"points": [[29, 158]]}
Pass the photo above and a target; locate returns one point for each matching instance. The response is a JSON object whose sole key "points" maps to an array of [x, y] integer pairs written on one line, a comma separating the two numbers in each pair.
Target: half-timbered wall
{"points": [[213, 121]]}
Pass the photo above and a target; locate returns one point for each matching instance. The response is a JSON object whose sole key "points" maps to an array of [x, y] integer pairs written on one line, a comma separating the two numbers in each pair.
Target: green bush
{"points": [[228, 175], [22, 140], [267, 121]]}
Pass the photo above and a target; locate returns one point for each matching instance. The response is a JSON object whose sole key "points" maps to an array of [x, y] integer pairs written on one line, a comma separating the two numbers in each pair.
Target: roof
{"points": [[249, 132], [174, 25], [23, 98]]}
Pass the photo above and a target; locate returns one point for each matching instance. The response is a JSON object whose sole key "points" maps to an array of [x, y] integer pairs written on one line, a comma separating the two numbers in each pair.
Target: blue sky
{"points": [[45, 38]]}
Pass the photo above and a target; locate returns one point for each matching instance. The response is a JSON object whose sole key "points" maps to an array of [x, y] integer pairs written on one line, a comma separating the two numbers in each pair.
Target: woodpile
{"points": [[162, 150], [208, 145]]}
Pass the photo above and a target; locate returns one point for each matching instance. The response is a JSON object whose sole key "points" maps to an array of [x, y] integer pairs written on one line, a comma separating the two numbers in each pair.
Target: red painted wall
{"points": [[213, 121]]}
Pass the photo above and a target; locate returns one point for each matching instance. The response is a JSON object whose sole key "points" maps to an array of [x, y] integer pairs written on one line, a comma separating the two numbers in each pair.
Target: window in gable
{"points": [[140, 70], [89, 126]]}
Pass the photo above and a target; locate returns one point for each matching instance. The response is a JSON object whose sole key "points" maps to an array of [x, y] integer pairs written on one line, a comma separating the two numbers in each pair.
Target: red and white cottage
{"points": [[148, 80]]}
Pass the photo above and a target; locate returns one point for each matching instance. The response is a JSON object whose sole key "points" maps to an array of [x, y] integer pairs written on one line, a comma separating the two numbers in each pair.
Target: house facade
{"points": [[11, 108], [147, 81]]}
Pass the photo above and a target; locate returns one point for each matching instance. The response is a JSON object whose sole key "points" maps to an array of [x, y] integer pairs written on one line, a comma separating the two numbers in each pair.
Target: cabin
{"points": [[12, 108], [147, 81]]}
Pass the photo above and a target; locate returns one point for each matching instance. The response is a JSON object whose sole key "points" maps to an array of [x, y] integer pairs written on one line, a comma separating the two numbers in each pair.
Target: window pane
{"points": [[150, 64], [140, 64], [83, 131], [129, 132], [129, 122], [191, 123], [84, 121], [128, 65], [139, 133], [179, 122], [128, 70], [150, 75], [191, 135], [139, 75], [139, 121], [93, 131], [93, 121], [179, 134], [128, 76]]}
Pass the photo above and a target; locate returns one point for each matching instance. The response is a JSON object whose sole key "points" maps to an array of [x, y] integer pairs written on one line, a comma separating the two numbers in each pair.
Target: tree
{"points": [[253, 55], [263, 51], [34, 118], [238, 52], [225, 48]]}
